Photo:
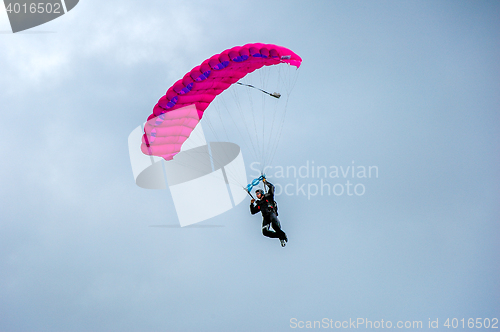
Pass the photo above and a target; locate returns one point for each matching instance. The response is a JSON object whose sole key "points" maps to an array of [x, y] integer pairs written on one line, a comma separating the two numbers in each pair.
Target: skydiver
{"points": [[267, 206]]}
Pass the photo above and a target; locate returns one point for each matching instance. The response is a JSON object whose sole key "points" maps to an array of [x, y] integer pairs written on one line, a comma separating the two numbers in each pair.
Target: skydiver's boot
{"points": [[283, 243]]}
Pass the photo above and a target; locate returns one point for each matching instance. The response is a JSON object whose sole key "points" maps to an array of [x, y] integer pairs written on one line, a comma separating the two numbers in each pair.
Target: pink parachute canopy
{"points": [[181, 108]]}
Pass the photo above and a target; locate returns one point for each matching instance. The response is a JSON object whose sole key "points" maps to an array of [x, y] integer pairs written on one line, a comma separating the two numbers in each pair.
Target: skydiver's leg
{"points": [[266, 223], [277, 228]]}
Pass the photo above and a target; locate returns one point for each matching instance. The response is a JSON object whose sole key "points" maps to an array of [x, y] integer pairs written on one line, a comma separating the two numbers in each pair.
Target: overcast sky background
{"points": [[412, 87]]}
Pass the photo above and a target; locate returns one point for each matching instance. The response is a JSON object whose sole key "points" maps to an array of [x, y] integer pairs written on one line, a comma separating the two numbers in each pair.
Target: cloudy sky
{"points": [[410, 87]]}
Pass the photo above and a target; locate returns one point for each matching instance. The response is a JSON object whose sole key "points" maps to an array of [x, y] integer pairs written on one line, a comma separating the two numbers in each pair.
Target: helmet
{"points": [[259, 191]]}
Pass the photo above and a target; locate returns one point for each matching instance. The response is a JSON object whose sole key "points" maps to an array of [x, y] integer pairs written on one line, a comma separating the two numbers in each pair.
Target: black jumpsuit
{"points": [[266, 206]]}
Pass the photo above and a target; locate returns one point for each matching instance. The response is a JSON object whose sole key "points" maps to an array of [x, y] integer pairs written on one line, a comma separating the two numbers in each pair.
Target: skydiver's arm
{"points": [[271, 188], [254, 208]]}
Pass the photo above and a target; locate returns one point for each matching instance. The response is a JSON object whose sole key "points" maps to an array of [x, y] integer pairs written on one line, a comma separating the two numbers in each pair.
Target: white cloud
{"points": [[4, 20], [123, 35]]}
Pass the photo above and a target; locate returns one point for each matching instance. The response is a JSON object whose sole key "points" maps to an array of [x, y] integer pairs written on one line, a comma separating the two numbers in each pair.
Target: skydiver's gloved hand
{"points": [[252, 201], [264, 180]]}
